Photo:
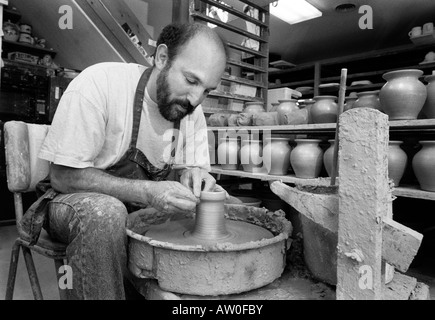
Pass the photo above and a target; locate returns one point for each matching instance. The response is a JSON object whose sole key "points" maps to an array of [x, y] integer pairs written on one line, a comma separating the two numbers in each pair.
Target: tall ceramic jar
{"points": [[324, 110], [397, 160], [423, 165], [307, 158], [251, 155], [274, 106], [228, 153], [403, 96], [253, 107], [276, 155], [429, 105], [308, 105], [285, 106], [367, 99], [350, 100], [328, 157]]}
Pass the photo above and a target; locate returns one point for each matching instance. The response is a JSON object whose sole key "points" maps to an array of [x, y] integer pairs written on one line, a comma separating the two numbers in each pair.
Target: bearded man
{"points": [[119, 132]]}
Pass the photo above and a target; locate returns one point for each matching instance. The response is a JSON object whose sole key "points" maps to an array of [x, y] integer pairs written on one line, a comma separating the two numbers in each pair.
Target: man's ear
{"points": [[161, 57]]}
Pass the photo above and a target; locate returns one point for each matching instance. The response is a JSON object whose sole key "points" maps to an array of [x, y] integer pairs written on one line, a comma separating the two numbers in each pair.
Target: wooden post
{"points": [[364, 201], [180, 11]]}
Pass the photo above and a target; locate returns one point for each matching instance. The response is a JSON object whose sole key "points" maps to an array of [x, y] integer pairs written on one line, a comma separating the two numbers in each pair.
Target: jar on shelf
{"points": [[403, 95], [253, 107], [349, 101], [423, 165], [367, 99], [308, 104], [251, 155], [429, 105], [276, 155], [285, 106], [324, 110], [397, 160], [307, 158], [328, 157], [228, 153]]}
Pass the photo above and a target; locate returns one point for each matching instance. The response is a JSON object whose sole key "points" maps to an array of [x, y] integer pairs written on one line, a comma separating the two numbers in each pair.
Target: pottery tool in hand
{"points": [[341, 95]]}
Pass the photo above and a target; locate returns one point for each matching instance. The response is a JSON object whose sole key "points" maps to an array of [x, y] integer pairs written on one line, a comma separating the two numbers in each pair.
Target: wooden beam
{"points": [[364, 200], [400, 244]]}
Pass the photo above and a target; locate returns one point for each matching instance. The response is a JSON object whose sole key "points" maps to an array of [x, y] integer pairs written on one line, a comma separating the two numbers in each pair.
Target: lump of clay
{"points": [[265, 119], [218, 120], [244, 119], [296, 117]]}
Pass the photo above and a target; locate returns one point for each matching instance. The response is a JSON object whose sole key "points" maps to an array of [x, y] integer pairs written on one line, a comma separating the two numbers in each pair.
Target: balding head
{"points": [[176, 36]]}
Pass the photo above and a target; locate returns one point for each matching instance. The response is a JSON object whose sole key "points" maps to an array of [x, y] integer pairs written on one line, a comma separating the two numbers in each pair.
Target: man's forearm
{"points": [[72, 180]]}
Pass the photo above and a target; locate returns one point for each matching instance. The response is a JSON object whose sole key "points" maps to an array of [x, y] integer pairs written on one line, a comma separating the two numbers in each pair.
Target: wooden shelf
{"points": [[413, 192], [266, 177], [11, 46], [229, 95]]}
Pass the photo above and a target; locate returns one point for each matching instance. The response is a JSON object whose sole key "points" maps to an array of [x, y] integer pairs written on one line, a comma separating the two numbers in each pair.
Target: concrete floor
{"points": [[44, 267], [425, 272]]}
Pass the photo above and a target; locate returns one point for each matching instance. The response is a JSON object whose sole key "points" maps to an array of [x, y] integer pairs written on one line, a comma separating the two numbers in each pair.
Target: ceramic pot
{"points": [[403, 96], [251, 155], [228, 153], [253, 107], [285, 106], [265, 119], [211, 147], [276, 155], [244, 119], [328, 157], [423, 165], [397, 160], [367, 99], [307, 158], [232, 120], [324, 110], [349, 103], [218, 120], [299, 116], [274, 106], [429, 105], [308, 104]]}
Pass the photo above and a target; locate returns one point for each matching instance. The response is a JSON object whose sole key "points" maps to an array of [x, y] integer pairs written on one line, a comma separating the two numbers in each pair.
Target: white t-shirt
{"points": [[93, 123]]}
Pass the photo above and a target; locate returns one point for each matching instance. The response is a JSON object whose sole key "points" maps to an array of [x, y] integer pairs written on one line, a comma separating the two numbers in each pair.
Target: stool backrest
{"points": [[23, 167]]}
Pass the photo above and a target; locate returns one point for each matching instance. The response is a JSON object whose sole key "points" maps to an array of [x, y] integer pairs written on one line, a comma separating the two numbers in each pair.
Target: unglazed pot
{"points": [[307, 158], [265, 119], [328, 157], [397, 160], [228, 153], [429, 105], [403, 96], [324, 110], [349, 103], [251, 154], [367, 99], [253, 107], [423, 165], [276, 155], [285, 106], [308, 105]]}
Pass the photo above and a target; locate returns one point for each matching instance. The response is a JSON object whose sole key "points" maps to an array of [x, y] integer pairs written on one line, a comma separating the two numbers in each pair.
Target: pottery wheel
{"points": [[180, 232]]}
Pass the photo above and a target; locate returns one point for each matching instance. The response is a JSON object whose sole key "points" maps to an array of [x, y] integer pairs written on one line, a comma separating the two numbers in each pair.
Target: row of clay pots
{"points": [[423, 164], [276, 156], [307, 157]]}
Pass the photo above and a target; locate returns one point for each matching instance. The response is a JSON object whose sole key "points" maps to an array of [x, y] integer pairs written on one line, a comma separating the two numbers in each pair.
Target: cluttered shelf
{"points": [[407, 191], [417, 125]]}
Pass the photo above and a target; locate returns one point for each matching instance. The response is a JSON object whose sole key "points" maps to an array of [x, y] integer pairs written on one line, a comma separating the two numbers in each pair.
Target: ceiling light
{"points": [[345, 7], [294, 11]]}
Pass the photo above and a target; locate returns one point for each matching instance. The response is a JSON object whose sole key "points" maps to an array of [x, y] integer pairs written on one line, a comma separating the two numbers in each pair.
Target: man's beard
{"points": [[169, 108]]}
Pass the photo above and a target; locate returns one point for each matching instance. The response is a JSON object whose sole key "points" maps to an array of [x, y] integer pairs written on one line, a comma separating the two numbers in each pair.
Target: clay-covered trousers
{"points": [[94, 227]]}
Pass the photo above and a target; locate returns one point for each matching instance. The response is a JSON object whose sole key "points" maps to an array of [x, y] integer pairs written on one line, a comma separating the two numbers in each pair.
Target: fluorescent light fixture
{"points": [[294, 11]]}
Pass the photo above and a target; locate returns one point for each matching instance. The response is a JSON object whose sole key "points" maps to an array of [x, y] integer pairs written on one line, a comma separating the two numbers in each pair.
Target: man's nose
{"points": [[196, 96]]}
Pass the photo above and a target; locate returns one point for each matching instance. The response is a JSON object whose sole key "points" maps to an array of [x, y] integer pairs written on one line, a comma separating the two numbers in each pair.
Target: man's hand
{"points": [[171, 197], [192, 178]]}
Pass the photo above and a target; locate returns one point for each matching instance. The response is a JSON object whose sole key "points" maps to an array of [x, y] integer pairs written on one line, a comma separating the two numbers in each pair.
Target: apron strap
{"points": [[137, 113]]}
